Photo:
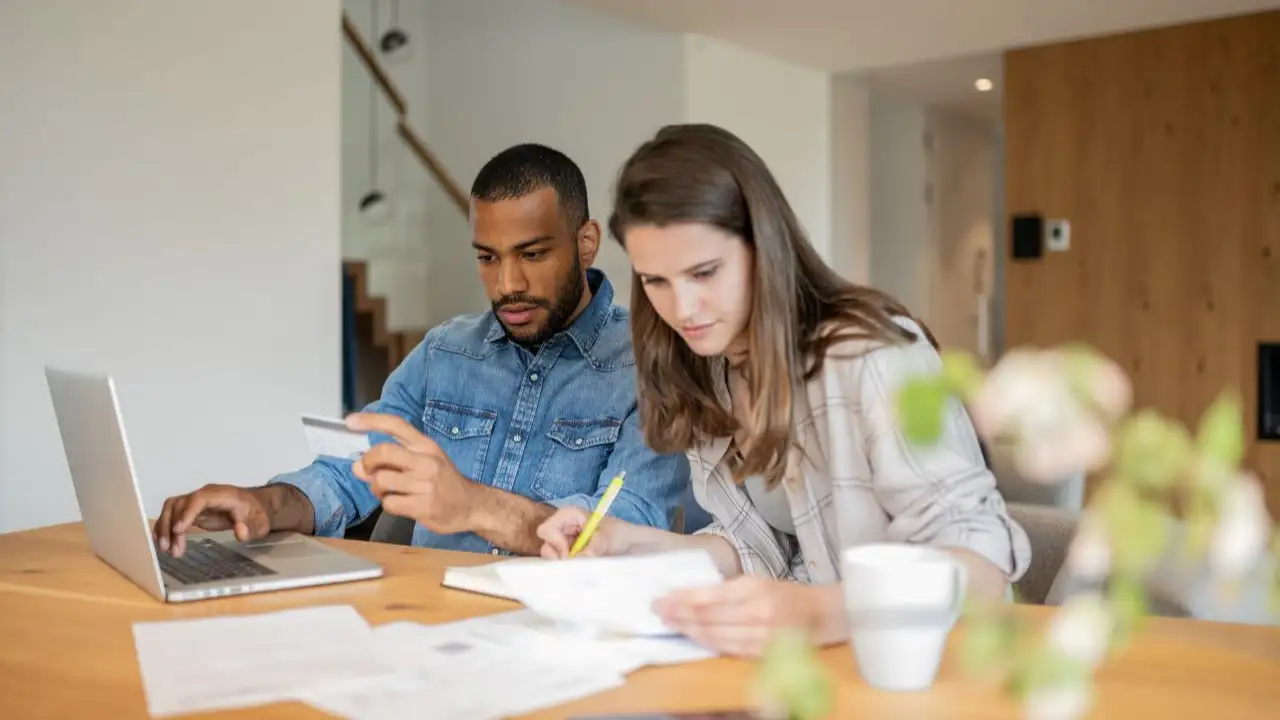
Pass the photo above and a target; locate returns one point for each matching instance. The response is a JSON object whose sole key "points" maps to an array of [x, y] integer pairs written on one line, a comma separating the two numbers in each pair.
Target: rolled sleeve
{"points": [[941, 494], [752, 561], [339, 498], [653, 488]]}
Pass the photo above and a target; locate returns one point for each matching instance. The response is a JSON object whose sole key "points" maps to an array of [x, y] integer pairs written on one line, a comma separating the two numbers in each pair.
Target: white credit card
{"points": [[333, 438]]}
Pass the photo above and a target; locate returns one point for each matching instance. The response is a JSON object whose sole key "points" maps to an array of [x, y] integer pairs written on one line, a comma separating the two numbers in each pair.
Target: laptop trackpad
{"points": [[288, 550]]}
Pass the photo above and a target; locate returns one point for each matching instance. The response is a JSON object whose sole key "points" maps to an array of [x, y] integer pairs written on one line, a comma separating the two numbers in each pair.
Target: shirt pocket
{"points": [[462, 432], [577, 452]]}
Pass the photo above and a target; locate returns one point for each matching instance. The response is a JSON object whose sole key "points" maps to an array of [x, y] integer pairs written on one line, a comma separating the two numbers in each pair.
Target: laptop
{"points": [[214, 564]]}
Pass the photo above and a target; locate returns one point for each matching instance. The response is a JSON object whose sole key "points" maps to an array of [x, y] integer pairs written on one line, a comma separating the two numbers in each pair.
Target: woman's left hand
{"points": [[740, 616]]}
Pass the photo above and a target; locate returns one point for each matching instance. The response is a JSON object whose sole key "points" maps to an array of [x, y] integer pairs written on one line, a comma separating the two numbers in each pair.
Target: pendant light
{"points": [[395, 41], [374, 206]]}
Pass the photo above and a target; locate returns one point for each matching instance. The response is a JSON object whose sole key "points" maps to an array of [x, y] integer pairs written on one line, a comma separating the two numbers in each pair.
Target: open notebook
{"points": [[483, 579]]}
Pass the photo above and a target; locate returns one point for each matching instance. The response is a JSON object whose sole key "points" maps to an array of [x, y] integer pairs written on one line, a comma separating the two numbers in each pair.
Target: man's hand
{"points": [[212, 507], [413, 477]]}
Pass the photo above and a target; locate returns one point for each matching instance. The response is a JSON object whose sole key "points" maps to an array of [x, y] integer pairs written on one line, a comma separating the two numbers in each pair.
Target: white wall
{"points": [[851, 177], [782, 111], [502, 73], [169, 187], [901, 226], [397, 249]]}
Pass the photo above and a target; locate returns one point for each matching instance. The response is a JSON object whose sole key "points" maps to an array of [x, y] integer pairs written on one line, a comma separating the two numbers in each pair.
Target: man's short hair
{"points": [[529, 167]]}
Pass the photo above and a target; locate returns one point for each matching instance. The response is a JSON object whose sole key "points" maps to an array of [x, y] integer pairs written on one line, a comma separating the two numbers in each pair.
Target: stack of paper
{"points": [[231, 662], [612, 594], [589, 624]]}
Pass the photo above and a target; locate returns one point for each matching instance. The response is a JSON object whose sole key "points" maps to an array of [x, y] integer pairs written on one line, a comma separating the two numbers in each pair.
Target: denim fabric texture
{"points": [[555, 426]]}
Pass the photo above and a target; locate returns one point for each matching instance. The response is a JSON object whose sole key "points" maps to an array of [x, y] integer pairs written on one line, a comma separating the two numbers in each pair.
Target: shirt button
{"points": [[517, 437], [533, 377], [578, 441], [455, 430], [495, 551]]}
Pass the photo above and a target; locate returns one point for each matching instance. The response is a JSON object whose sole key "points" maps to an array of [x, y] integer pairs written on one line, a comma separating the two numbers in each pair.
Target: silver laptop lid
{"points": [[102, 472]]}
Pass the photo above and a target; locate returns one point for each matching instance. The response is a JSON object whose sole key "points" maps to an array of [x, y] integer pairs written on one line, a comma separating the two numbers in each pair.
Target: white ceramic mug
{"points": [[901, 602]]}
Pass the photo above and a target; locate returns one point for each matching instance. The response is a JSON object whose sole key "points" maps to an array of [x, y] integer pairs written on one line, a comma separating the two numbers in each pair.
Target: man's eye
{"points": [[484, 258], [534, 254]]}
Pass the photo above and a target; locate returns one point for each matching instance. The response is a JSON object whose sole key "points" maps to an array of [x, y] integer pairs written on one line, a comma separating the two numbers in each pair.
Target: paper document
{"points": [[613, 594], [490, 667], [229, 662], [332, 438], [483, 579]]}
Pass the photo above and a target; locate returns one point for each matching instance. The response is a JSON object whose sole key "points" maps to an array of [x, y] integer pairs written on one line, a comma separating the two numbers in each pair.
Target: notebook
{"points": [[482, 579]]}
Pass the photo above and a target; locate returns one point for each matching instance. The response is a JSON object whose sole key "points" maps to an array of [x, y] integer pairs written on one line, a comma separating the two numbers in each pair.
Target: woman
{"points": [[777, 377]]}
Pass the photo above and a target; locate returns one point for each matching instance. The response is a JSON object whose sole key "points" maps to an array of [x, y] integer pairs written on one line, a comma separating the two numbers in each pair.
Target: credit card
{"points": [[332, 438]]}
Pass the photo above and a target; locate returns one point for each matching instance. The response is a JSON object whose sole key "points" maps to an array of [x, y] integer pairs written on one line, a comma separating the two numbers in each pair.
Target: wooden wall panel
{"points": [[1163, 150]]}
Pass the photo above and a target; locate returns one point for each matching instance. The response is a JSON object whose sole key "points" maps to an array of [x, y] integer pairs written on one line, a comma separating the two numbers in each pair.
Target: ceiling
{"points": [[839, 35], [947, 83]]}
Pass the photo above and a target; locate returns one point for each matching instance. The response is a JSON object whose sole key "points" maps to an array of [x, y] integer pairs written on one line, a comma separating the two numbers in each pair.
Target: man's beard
{"points": [[558, 314]]}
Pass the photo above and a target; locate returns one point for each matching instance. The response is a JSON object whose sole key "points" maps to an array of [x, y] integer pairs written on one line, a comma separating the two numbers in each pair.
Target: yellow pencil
{"points": [[602, 509]]}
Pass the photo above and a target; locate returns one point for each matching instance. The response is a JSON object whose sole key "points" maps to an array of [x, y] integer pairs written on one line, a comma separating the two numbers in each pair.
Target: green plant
{"points": [[1059, 411], [1062, 410]]}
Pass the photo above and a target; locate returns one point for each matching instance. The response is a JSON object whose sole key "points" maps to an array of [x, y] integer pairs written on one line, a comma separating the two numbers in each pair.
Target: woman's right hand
{"points": [[559, 532]]}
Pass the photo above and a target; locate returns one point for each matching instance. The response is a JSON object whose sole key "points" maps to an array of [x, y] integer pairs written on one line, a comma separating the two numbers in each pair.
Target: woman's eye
{"points": [[704, 274]]}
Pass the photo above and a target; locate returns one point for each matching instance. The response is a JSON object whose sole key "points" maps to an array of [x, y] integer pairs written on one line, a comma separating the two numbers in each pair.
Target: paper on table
{"points": [[237, 661], [614, 594], [483, 578], [452, 671]]}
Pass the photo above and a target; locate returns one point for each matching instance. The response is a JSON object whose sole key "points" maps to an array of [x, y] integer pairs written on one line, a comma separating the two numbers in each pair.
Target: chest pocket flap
{"points": [[457, 422], [582, 434]]}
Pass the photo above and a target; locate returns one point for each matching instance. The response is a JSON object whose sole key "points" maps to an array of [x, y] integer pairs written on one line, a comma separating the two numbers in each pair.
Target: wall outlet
{"points": [[1057, 235]]}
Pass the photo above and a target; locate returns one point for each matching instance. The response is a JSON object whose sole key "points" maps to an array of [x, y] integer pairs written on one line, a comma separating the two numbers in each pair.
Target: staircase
{"points": [[378, 350]]}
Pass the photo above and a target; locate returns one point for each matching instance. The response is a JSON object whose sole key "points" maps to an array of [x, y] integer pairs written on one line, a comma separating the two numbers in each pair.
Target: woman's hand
{"points": [[740, 616], [558, 532]]}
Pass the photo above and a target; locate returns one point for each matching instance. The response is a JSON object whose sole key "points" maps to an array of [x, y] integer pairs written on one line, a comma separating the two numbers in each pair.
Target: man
{"points": [[495, 419]]}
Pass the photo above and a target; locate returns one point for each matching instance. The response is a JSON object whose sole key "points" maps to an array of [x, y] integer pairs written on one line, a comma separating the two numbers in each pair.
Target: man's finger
{"points": [[162, 529], [399, 429], [388, 456], [394, 482]]}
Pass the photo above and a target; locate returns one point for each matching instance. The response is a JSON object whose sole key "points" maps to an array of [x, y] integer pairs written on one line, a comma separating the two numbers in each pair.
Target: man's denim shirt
{"points": [[555, 427]]}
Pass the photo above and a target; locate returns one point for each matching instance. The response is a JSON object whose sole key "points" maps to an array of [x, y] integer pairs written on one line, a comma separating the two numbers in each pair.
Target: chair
{"points": [[392, 529], [1050, 531]]}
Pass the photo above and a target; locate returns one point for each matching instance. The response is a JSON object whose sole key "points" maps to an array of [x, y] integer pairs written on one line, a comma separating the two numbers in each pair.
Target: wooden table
{"points": [[66, 648]]}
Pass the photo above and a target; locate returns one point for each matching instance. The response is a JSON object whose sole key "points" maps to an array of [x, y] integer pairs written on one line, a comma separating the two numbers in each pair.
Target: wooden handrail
{"points": [[410, 136], [433, 164], [371, 64]]}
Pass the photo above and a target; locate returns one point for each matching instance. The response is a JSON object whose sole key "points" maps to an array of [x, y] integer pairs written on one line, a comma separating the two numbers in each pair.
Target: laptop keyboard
{"points": [[207, 560]]}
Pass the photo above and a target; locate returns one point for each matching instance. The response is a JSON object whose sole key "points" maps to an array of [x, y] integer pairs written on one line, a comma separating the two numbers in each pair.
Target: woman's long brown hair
{"points": [[800, 307]]}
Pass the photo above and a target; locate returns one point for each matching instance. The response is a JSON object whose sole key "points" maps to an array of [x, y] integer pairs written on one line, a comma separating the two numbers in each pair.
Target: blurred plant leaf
{"points": [[962, 373], [1152, 451], [792, 677], [1129, 602], [1138, 528], [920, 407], [1200, 519], [1046, 667], [1221, 432]]}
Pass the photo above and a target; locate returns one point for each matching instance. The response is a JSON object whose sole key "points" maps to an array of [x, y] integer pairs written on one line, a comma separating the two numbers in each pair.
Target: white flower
{"points": [[1057, 702], [1081, 629], [1056, 407], [1089, 555], [1243, 528]]}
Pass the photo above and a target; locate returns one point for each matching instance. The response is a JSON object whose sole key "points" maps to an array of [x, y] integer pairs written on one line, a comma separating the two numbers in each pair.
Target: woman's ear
{"points": [[588, 242]]}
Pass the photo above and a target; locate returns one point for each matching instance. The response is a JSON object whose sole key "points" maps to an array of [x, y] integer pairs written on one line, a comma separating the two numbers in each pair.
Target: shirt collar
{"points": [[586, 329]]}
